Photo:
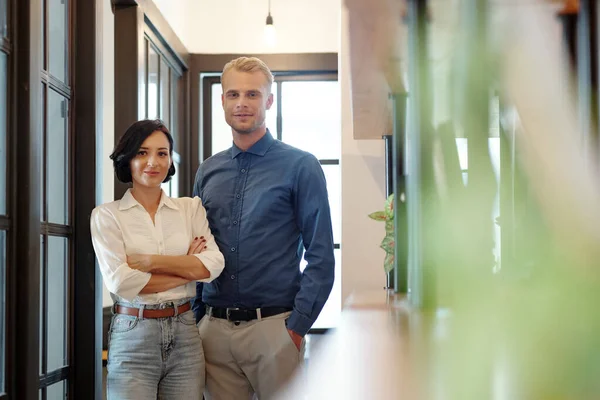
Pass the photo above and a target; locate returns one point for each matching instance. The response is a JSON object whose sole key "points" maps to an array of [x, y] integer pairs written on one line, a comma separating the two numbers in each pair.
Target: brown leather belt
{"points": [[153, 313]]}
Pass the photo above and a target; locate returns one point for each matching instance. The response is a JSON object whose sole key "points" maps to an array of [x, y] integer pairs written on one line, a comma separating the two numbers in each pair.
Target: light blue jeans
{"points": [[155, 358]]}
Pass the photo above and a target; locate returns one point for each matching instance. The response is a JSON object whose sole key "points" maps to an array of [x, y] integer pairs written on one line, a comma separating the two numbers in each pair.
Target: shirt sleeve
{"points": [[313, 217], [109, 247], [212, 258]]}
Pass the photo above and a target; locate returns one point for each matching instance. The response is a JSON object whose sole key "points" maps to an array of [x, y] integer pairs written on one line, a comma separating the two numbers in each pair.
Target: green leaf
{"points": [[388, 244], [389, 227], [389, 205], [388, 263], [378, 216]]}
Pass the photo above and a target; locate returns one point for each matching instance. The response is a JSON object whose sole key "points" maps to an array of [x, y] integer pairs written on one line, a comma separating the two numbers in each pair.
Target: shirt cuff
{"points": [[213, 261], [299, 323], [127, 282]]}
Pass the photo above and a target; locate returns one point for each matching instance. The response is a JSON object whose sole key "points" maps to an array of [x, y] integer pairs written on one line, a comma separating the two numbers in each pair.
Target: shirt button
{"points": [[238, 196], [232, 276], [243, 170], [235, 222], [232, 249]]}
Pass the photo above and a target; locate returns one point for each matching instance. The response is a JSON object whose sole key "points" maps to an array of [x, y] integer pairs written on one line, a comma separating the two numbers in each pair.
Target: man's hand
{"points": [[297, 339], [141, 262], [197, 246]]}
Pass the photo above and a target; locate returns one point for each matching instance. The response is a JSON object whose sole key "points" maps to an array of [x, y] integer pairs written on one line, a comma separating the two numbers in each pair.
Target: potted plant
{"points": [[388, 243]]}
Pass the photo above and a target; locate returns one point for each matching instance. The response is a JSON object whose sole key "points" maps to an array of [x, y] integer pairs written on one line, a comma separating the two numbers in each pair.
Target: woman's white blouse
{"points": [[124, 227]]}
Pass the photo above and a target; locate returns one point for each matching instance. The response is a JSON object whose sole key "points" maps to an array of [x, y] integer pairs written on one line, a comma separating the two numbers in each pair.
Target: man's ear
{"points": [[269, 101]]}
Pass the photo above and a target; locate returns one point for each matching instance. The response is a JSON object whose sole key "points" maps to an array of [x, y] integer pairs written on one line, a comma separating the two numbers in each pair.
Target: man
{"points": [[266, 202]]}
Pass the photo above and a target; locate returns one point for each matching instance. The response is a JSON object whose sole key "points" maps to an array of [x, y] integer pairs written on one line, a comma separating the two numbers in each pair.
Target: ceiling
{"points": [[237, 26]]}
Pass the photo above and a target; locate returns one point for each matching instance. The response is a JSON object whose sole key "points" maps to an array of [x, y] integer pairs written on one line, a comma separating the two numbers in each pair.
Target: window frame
{"points": [[137, 23], [6, 47], [154, 42], [65, 90], [26, 123]]}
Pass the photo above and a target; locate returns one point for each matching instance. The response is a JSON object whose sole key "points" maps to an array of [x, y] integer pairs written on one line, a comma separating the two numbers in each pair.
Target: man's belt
{"points": [[244, 314]]}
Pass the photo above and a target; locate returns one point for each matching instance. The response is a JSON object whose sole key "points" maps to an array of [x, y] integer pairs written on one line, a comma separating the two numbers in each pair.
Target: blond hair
{"points": [[249, 64]]}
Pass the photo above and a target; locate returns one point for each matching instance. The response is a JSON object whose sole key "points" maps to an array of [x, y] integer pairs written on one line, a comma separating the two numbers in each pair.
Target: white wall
{"points": [[237, 26], [363, 191], [105, 141]]}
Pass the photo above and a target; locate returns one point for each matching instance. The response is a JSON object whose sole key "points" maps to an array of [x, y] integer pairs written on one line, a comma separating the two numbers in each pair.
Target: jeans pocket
{"points": [[187, 318], [122, 323]]}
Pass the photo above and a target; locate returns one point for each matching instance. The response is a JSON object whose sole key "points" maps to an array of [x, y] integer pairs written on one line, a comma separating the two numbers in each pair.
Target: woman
{"points": [[148, 264]]}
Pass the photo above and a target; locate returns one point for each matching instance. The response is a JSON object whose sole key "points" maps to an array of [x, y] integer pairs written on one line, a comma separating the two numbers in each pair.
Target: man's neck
{"points": [[246, 140]]}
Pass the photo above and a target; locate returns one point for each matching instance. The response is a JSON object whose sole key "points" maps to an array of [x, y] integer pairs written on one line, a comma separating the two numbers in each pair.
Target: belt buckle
{"points": [[229, 313]]}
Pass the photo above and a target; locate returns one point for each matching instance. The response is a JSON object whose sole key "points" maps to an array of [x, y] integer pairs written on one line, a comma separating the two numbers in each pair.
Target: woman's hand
{"points": [[141, 262], [145, 262], [197, 246]]}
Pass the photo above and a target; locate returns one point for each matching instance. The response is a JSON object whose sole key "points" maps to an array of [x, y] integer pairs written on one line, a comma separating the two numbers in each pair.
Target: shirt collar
{"points": [[259, 148], [128, 201]]}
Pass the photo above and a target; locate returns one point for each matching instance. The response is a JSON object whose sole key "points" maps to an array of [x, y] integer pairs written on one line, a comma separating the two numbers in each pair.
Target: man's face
{"points": [[246, 99]]}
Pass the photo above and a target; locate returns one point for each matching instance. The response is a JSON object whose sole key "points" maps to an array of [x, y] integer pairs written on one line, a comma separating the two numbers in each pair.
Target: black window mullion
{"points": [[56, 84], [164, 52], [69, 165], [56, 230], [319, 331], [46, 35], [5, 45], [329, 162], [53, 377], [158, 85], [295, 76], [146, 74], [167, 110], [44, 306]]}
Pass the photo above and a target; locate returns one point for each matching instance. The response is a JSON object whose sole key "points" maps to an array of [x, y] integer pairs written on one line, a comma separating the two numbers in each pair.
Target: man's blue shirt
{"points": [[265, 207]]}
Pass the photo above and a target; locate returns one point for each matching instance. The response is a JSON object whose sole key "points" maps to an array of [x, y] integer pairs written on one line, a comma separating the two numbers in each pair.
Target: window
{"points": [[56, 201], [317, 130], [306, 114], [38, 190], [162, 94]]}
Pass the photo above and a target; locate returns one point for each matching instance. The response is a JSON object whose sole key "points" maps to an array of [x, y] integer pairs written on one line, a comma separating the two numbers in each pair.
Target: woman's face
{"points": [[150, 166]]}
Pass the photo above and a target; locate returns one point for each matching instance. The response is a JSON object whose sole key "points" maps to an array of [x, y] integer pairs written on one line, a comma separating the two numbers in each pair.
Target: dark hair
{"points": [[130, 144]]}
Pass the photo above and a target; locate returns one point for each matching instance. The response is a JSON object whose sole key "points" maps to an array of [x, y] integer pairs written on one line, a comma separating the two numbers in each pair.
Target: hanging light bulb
{"points": [[270, 34]]}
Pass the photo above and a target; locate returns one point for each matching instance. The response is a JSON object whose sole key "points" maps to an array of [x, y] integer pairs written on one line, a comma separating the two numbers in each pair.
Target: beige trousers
{"points": [[250, 359]]}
